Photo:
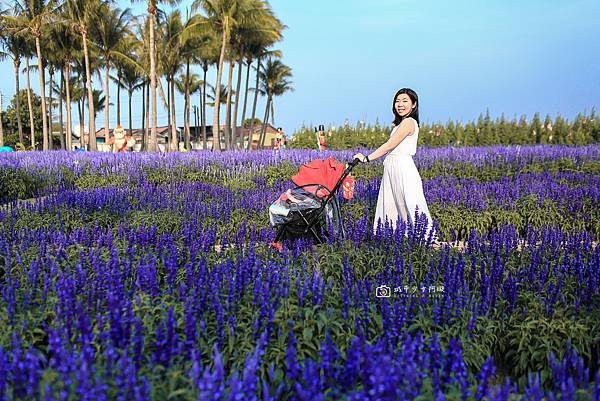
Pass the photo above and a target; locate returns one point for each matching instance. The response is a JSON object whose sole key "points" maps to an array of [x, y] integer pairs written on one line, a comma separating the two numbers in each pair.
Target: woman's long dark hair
{"points": [[414, 113]]}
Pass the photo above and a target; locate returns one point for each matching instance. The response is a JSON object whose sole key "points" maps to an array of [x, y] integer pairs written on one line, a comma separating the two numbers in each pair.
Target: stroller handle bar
{"points": [[353, 163]]}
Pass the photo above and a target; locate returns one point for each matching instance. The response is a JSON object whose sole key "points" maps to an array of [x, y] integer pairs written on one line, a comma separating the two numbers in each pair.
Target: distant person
{"points": [[401, 190], [280, 141], [321, 138], [277, 140]]}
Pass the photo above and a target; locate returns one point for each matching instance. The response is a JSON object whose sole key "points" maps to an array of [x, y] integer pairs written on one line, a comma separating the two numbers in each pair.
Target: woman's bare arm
{"points": [[405, 129]]}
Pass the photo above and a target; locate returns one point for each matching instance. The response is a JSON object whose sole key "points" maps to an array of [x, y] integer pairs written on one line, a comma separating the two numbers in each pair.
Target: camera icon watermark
{"points": [[411, 291], [383, 291]]}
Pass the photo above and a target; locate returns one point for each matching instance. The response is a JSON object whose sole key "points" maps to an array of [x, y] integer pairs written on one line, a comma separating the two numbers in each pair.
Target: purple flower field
{"points": [[150, 277]]}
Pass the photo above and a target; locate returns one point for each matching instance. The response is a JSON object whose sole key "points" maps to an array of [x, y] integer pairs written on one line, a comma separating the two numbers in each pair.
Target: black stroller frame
{"points": [[316, 214]]}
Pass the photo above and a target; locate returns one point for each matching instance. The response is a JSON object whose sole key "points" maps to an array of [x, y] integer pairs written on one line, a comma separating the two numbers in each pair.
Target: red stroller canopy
{"points": [[324, 172]]}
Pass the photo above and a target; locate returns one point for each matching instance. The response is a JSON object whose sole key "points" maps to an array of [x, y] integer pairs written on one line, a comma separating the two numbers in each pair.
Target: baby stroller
{"points": [[311, 210]]}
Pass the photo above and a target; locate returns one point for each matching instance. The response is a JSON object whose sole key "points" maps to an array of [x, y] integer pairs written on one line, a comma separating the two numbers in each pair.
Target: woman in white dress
{"points": [[401, 191]]}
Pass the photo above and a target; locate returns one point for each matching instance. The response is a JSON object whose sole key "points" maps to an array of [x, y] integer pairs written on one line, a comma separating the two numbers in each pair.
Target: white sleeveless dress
{"points": [[401, 190]]}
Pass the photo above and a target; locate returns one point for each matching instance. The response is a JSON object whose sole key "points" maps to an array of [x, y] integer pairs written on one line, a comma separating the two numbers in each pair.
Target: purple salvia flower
{"points": [[212, 384], [596, 389], [311, 388], [236, 392], [534, 391], [142, 391], [485, 377], [292, 368]]}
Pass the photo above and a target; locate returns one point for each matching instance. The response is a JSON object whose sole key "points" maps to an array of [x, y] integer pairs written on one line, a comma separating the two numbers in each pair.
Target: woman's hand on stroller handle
{"points": [[359, 158]]}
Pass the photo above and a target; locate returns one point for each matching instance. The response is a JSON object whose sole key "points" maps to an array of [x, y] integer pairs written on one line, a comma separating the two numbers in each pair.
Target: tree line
{"points": [[583, 130], [68, 42]]}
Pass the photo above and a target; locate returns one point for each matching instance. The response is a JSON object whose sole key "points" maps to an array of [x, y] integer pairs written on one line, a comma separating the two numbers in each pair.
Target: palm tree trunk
{"points": [[50, 136], [174, 139], [216, 131], [187, 105], [1, 126], [60, 109], [144, 125], [263, 128], [92, 115], [18, 101], [148, 130], [197, 126], [82, 109], [236, 103], [152, 144], [203, 115], [68, 93], [106, 103], [245, 100], [31, 123], [130, 92], [169, 127], [119, 96], [187, 131], [227, 128], [251, 134], [41, 71]]}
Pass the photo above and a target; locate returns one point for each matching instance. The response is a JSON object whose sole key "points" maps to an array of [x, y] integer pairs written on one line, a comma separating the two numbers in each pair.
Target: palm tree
{"points": [[54, 45], [227, 131], [173, 46], [131, 80], [188, 85], [152, 12], [212, 95], [222, 100], [99, 100], [80, 14], [29, 100], [195, 50], [1, 126], [30, 16], [3, 56], [109, 29], [130, 46], [224, 16], [206, 54], [15, 47], [67, 50], [221, 17], [74, 94], [251, 40], [142, 27], [259, 52], [274, 81], [52, 61]]}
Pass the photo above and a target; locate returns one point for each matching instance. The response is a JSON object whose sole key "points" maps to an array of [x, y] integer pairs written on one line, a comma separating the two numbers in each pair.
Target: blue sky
{"points": [[461, 57]]}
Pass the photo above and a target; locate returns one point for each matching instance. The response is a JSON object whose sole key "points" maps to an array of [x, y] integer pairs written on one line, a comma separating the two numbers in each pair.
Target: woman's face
{"points": [[403, 105]]}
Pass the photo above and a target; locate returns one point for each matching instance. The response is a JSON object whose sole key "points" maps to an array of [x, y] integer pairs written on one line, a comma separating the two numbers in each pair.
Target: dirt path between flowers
{"points": [[460, 246]]}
